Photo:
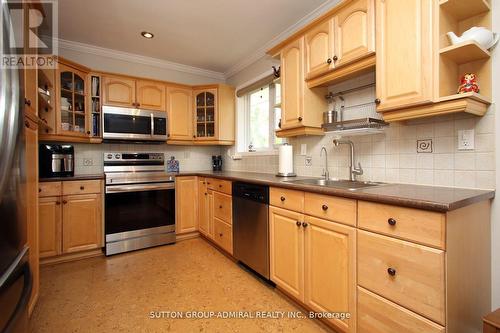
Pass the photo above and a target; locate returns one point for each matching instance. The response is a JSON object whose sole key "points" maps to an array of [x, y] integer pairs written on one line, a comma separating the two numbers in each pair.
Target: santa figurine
{"points": [[468, 83]]}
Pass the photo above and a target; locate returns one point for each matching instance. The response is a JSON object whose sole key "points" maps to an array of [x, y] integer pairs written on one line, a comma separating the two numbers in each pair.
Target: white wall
{"points": [[249, 73], [108, 64]]}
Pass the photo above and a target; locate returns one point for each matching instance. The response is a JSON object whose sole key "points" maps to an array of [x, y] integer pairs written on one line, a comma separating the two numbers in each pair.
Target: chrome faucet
{"points": [[353, 170], [325, 174]]}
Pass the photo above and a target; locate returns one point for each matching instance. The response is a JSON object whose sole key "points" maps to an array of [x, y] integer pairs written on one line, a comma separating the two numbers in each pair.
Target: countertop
{"points": [[76, 177], [440, 199]]}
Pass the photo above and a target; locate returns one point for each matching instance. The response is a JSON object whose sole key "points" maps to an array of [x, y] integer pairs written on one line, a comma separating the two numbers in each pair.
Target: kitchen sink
{"points": [[343, 184]]}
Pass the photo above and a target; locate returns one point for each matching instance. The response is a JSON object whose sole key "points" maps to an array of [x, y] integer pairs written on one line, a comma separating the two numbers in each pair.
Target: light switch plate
{"points": [[88, 162], [303, 149], [466, 139]]}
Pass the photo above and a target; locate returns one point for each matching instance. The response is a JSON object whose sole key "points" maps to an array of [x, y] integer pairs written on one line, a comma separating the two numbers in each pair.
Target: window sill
{"points": [[243, 154]]}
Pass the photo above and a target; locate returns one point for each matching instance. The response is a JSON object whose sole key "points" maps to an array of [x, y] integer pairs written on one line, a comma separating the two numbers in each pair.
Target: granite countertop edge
{"points": [[374, 194]]}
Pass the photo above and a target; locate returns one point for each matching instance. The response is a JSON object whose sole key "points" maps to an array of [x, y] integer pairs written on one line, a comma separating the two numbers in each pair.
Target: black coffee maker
{"points": [[217, 163], [56, 160]]}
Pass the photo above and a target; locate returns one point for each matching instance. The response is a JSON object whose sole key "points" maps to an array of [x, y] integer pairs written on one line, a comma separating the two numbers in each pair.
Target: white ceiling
{"points": [[213, 35]]}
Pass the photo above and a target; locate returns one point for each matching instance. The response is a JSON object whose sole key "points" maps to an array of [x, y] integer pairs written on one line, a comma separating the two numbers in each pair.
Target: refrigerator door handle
{"points": [[10, 111], [25, 296]]}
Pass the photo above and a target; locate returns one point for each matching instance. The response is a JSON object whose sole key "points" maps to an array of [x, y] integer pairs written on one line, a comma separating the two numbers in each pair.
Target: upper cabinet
{"points": [[340, 39], [205, 106], [131, 93], [179, 107], [118, 91], [354, 32], [301, 108], [404, 53]]}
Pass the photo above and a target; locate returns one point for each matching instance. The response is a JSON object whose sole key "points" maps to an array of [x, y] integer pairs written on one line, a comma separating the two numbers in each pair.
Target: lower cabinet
{"points": [[186, 207], [203, 216], [81, 222], [313, 260], [70, 223]]}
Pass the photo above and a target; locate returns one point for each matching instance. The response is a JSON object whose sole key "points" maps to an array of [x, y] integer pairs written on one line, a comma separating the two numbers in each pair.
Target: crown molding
{"points": [[136, 58], [261, 52]]}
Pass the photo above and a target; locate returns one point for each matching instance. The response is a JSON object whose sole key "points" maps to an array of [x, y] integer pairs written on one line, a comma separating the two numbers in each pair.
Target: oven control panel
{"points": [[134, 157]]}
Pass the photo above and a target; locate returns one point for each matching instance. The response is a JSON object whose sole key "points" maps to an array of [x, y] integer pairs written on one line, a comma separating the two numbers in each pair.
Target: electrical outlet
{"points": [[308, 161], [88, 162], [466, 139]]}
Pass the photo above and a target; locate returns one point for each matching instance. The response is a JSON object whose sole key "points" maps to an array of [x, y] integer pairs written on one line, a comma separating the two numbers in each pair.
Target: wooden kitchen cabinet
{"points": [[128, 92], [118, 91], [50, 219], [203, 208], [319, 46], [150, 95], [70, 219], [354, 32], [405, 53], [286, 240], [330, 269], [301, 108], [82, 222], [186, 192], [180, 113]]}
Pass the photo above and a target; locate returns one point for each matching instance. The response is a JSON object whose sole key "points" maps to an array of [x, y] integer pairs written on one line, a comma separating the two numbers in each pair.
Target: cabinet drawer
{"points": [[287, 199], [409, 274], [407, 223], [220, 185], [378, 315], [223, 235], [223, 207], [331, 208], [49, 189], [81, 187]]}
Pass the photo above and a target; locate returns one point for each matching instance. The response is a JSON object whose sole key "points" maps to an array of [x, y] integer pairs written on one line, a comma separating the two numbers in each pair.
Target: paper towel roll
{"points": [[285, 159]]}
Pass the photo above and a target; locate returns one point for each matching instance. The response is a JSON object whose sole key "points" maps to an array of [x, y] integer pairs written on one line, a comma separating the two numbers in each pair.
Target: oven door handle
{"points": [[140, 188], [152, 125]]}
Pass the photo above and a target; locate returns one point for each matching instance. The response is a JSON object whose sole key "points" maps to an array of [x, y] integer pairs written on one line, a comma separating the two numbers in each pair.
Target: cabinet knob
{"points": [[335, 58], [220, 234], [82, 188], [194, 136], [39, 190], [300, 118], [27, 102], [27, 124], [324, 207], [304, 224], [138, 104], [377, 101], [220, 185], [220, 207], [58, 202], [329, 61], [168, 135], [391, 271], [282, 198], [88, 132], [65, 202], [206, 193], [391, 221], [208, 183], [298, 223]]}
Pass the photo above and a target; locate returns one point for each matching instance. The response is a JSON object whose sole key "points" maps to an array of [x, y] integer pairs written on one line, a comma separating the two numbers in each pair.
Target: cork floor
{"points": [[118, 294]]}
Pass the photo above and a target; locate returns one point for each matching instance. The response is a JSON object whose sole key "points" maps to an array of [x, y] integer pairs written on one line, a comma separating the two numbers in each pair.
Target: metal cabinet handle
{"points": [[304, 224], [39, 190], [391, 221], [206, 193], [220, 207], [282, 198], [377, 101], [298, 223], [324, 207], [220, 234], [65, 202], [300, 118], [391, 271], [329, 61], [27, 102], [335, 58], [82, 188], [58, 202], [27, 124], [220, 185]]}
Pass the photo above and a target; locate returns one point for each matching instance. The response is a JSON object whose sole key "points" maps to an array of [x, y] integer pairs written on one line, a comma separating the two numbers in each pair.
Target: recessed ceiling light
{"points": [[146, 34]]}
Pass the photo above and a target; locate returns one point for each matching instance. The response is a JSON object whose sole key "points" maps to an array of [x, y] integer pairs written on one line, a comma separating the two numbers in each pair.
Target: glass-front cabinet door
{"points": [[205, 114], [73, 108]]}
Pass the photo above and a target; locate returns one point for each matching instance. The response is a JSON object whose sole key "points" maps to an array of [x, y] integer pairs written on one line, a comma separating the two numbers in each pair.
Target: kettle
{"points": [[480, 35]]}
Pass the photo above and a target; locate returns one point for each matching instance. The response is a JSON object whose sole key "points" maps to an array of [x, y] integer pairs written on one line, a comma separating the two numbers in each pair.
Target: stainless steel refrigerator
{"points": [[15, 274]]}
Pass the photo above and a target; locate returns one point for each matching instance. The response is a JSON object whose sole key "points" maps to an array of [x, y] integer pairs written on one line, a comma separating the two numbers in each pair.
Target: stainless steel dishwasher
{"points": [[251, 226]]}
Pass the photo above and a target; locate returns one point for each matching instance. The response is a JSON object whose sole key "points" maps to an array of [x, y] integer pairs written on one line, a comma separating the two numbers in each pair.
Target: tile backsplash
{"points": [[392, 156], [190, 158]]}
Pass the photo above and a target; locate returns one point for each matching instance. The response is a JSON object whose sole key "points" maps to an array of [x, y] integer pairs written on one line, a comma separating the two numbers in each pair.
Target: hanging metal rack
{"points": [[331, 95]]}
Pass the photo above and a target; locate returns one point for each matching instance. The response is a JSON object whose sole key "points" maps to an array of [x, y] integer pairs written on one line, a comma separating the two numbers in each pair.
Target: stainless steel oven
{"points": [[133, 124], [139, 202]]}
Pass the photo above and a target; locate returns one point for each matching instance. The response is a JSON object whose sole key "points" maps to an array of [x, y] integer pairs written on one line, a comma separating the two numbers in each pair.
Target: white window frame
{"points": [[243, 121]]}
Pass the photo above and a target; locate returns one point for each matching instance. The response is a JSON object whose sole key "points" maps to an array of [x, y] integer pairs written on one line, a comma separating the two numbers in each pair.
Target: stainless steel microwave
{"points": [[133, 124]]}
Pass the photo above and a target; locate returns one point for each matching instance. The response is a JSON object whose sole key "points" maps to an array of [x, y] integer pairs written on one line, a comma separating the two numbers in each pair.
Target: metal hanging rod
{"points": [[348, 91]]}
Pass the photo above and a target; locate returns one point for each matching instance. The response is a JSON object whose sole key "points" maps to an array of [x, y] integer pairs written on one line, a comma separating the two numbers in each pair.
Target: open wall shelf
{"points": [[461, 9], [465, 52]]}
